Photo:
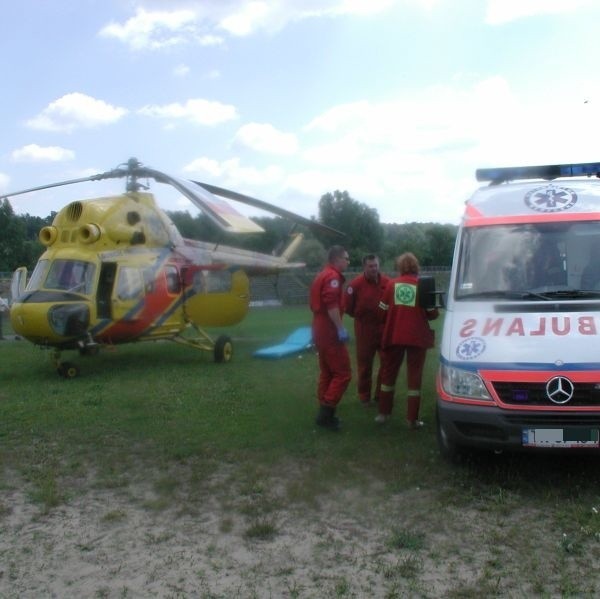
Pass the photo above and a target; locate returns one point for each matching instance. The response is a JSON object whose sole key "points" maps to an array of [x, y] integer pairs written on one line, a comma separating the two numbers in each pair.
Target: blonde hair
{"points": [[407, 264]]}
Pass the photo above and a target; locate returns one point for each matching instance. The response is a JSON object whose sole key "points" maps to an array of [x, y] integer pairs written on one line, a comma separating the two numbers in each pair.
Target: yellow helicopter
{"points": [[117, 270]]}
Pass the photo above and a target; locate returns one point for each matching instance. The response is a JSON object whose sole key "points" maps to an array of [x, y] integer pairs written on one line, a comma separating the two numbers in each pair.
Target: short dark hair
{"points": [[335, 252], [368, 257]]}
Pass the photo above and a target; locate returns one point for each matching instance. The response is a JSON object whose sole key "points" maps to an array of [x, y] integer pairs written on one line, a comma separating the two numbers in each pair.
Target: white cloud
{"points": [[315, 182], [339, 116], [197, 111], [202, 166], [159, 29], [178, 23], [249, 17], [414, 157], [35, 153], [340, 151], [503, 11], [246, 18], [265, 138], [426, 121], [181, 70], [74, 111], [233, 174], [359, 7]]}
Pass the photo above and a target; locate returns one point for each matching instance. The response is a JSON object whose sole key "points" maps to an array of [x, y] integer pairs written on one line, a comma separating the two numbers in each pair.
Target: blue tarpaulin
{"points": [[299, 341]]}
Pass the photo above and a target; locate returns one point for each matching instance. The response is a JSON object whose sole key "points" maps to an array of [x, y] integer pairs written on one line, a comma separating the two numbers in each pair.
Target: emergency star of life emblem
{"points": [[550, 199], [405, 294], [471, 348]]}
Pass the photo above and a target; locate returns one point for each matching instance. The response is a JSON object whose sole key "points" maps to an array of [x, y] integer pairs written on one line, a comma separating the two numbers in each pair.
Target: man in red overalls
{"points": [[330, 336], [363, 295]]}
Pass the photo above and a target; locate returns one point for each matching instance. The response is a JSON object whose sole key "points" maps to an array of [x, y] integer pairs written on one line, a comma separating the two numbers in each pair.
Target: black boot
{"points": [[327, 418]]}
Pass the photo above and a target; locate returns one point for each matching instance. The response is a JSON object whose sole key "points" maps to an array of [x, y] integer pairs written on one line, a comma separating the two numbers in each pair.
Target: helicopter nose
{"points": [[69, 320]]}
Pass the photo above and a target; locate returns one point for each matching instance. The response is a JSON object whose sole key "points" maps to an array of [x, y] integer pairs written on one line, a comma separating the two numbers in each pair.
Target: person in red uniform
{"points": [[330, 336], [406, 332], [363, 295]]}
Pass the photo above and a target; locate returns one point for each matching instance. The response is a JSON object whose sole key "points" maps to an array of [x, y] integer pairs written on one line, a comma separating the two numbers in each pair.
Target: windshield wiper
{"points": [[567, 293], [492, 294]]}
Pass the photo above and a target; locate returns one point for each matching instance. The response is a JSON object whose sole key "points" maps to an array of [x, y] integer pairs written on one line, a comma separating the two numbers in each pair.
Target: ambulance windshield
{"points": [[541, 261]]}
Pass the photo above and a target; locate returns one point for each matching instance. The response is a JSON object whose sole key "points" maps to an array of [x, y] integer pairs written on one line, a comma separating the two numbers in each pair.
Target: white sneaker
{"points": [[382, 418], [414, 425]]}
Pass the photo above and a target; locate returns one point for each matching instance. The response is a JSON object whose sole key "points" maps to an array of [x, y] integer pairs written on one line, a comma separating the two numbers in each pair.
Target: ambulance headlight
{"points": [[463, 383]]}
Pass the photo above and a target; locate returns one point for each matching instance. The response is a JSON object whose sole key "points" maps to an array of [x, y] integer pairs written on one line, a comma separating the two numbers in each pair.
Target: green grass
{"points": [[170, 416], [174, 402]]}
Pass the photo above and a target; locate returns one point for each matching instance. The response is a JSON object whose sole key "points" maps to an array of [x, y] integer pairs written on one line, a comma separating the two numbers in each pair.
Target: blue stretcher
{"points": [[299, 341]]}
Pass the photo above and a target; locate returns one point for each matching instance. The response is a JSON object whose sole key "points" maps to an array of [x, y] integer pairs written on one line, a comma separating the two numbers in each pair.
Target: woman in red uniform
{"points": [[406, 331]]}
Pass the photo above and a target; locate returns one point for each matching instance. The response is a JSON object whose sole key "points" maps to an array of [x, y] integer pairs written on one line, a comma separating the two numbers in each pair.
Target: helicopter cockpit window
{"points": [[130, 283], [74, 276], [38, 275]]}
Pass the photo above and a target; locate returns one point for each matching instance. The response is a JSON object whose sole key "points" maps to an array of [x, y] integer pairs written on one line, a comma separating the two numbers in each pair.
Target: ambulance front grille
{"points": [[534, 394]]}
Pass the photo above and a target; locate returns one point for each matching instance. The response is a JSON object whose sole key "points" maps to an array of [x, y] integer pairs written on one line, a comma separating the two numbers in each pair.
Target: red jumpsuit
{"points": [[326, 292], [362, 301], [406, 330]]}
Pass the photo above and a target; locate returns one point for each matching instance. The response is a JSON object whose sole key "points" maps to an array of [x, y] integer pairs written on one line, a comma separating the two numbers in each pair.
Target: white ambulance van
{"points": [[520, 350]]}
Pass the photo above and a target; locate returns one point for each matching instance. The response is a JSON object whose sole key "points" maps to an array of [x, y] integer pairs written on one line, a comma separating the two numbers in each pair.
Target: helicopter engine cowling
{"points": [[89, 233], [48, 235]]}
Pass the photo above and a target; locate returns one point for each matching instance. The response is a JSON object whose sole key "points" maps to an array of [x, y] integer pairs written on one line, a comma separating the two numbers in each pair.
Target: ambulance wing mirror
{"points": [[18, 283], [429, 298]]}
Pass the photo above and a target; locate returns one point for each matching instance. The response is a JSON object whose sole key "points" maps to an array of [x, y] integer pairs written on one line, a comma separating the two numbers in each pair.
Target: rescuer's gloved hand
{"points": [[343, 335]]}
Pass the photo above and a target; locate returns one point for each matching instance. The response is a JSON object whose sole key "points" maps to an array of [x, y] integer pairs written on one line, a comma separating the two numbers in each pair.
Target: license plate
{"points": [[560, 437]]}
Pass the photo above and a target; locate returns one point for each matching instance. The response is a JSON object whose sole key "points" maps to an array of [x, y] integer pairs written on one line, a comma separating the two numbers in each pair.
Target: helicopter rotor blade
{"points": [[203, 195], [256, 203], [108, 175], [219, 212]]}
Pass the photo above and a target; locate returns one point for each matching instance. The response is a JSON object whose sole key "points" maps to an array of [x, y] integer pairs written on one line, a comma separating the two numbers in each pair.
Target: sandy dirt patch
{"points": [[128, 542]]}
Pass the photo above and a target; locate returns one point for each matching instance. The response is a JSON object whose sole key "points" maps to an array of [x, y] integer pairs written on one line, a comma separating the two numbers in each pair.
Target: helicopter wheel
{"points": [[68, 370], [223, 349]]}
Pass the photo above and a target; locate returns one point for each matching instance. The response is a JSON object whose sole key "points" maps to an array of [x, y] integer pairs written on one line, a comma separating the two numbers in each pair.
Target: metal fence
{"points": [[292, 288], [289, 288]]}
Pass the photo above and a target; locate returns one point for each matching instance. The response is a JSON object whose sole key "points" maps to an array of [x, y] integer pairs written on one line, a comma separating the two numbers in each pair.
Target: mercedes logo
{"points": [[559, 390]]}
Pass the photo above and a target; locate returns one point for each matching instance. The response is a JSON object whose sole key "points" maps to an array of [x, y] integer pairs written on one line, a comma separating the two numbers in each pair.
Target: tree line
{"points": [[432, 243]]}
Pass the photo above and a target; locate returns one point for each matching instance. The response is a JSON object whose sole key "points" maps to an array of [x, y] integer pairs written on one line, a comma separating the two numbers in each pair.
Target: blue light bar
{"points": [[550, 171]]}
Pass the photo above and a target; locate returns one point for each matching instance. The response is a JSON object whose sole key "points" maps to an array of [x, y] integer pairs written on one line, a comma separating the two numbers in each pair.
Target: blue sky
{"points": [[395, 101]]}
